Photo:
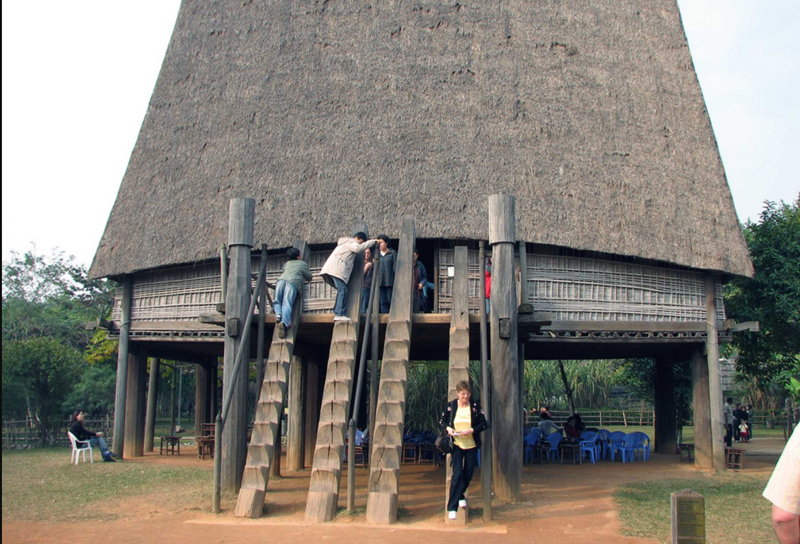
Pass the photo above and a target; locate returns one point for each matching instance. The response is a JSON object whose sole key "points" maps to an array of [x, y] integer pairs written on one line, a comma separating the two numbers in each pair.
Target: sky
{"points": [[78, 76]]}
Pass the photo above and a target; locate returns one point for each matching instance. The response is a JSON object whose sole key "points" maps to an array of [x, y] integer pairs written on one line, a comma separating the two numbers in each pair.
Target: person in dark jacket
{"points": [[95, 439], [420, 281], [464, 420], [386, 282]]}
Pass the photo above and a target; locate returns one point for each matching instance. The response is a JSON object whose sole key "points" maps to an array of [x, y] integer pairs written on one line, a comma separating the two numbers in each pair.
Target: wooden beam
{"points": [[714, 378], [152, 395], [123, 352], [703, 456], [295, 450]]}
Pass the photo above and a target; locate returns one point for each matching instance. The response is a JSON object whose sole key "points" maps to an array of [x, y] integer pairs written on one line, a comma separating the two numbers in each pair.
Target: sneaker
{"points": [[462, 503], [111, 453], [281, 331], [452, 514], [109, 459]]}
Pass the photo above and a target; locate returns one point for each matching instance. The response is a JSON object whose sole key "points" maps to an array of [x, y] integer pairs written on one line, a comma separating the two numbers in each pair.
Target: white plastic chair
{"points": [[76, 451]]}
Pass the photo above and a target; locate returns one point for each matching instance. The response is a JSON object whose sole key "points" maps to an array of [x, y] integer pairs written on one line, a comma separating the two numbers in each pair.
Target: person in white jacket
{"points": [[337, 269]]}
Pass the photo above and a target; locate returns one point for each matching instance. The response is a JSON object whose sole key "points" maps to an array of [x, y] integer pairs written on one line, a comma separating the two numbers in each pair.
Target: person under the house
{"points": [[737, 420], [366, 287], [95, 438], [420, 280], [750, 420], [386, 282], [727, 416], [337, 269], [783, 491], [743, 423], [295, 272], [546, 424], [488, 275], [571, 432], [464, 420]]}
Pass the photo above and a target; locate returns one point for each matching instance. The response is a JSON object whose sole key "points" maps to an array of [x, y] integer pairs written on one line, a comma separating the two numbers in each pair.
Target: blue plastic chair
{"points": [[531, 439], [589, 445], [616, 440], [554, 439], [643, 445], [629, 445]]}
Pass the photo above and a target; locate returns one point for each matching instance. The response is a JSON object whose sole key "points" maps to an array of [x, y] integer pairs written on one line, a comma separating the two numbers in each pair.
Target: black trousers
{"points": [[464, 463], [729, 434]]}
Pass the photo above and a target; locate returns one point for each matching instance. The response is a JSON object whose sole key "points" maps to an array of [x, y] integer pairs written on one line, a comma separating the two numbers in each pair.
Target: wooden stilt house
{"points": [[405, 118]]}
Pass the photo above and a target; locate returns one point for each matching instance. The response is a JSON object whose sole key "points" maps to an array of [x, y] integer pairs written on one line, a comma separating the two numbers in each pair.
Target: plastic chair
{"points": [[616, 440], [602, 440], [643, 445], [589, 445], [554, 439], [531, 440], [628, 446], [77, 450]]}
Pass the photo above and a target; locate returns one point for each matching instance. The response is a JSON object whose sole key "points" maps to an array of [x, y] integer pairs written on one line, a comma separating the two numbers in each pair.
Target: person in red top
{"points": [[488, 276], [571, 430]]}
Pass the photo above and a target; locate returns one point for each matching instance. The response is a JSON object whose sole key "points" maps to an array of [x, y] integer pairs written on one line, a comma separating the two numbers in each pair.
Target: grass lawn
{"points": [[736, 513], [41, 485]]}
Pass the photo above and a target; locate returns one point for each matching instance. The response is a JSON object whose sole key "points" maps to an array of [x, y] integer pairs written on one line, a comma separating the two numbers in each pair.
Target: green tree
{"points": [[43, 371], [772, 296]]}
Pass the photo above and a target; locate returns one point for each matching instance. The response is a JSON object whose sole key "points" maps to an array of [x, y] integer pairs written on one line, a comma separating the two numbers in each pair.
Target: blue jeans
{"points": [[285, 294], [99, 442], [340, 308], [464, 463], [364, 299], [386, 298]]}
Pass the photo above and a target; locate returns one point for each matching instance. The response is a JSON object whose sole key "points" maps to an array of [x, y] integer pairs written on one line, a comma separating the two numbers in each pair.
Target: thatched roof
{"points": [[326, 112]]}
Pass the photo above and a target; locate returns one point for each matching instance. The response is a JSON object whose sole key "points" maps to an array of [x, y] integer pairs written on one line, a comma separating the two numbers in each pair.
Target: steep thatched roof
{"points": [[326, 112]]}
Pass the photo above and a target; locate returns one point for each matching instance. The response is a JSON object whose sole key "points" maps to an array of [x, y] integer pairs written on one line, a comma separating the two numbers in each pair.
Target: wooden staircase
{"points": [[387, 443], [261, 450], [326, 470]]}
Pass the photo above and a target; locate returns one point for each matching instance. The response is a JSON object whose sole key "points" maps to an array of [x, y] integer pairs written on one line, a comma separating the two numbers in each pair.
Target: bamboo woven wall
{"points": [[566, 287], [585, 289]]}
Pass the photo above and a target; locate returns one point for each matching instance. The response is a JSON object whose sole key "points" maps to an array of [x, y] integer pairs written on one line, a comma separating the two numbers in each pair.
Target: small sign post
{"points": [[688, 517]]}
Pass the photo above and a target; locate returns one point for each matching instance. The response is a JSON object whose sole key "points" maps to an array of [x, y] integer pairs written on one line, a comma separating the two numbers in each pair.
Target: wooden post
{"points": [[459, 354], [664, 407], [213, 390], [295, 450], [702, 411], [122, 367], [714, 379], [152, 396], [201, 412], [234, 435], [486, 469], [506, 401], [311, 408], [135, 406]]}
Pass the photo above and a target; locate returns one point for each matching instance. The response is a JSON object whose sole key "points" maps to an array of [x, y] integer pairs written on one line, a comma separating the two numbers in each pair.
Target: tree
{"points": [[772, 296], [46, 304], [44, 371]]}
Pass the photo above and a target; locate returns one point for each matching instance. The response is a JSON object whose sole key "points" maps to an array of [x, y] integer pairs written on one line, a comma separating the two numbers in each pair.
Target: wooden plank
{"points": [[459, 346], [152, 395], [624, 326], [702, 411], [264, 449], [122, 367], [326, 469], [387, 441], [135, 406], [295, 451]]}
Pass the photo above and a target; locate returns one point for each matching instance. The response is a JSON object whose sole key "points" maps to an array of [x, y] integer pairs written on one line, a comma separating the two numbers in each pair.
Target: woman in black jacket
{"points": [[464, 420]]}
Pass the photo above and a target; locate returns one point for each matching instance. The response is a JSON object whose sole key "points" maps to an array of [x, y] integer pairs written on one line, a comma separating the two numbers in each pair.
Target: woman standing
{"points": [[464, 420]]}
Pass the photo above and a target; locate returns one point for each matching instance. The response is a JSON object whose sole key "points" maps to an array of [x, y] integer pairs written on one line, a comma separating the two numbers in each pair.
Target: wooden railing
{"points": [[26, 433]]}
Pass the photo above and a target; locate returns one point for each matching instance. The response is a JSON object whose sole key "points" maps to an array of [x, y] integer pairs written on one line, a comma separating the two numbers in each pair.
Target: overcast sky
{"points": [[77, 78]]}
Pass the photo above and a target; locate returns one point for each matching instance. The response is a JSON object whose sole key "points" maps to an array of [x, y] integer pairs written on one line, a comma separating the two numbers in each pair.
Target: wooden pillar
{"points": [[201, 408], [122, 367], [152, 397], [234, 435], [714, 378], [135, 406], [295, 451], [506, 401], [665, 416], [311, 422], [459, 351], [702, 411], [213, 390]]}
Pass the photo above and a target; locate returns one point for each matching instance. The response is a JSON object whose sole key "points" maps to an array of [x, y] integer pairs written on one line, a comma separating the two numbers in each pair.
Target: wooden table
{"points": [[168, 445], [574, 450], [688, 450]]}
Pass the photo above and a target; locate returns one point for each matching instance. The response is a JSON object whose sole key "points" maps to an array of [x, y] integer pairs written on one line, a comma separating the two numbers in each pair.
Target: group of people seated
{"points": [[572, 429]]}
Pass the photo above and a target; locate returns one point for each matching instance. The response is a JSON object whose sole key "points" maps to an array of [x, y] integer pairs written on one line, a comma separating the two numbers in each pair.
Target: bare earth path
{"points": [[560, 503]]}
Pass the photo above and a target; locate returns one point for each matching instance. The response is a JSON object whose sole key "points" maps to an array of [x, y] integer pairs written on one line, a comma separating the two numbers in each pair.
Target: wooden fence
{"points": [[26, 433], [599, 418]]}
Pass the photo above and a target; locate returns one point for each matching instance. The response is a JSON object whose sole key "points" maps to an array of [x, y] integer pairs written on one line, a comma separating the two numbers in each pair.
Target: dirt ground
{"points": [[560, 503]]}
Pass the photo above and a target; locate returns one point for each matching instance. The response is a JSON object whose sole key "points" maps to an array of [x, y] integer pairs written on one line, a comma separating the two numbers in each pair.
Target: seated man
{"points": [[95, 439], [546, 425]]}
